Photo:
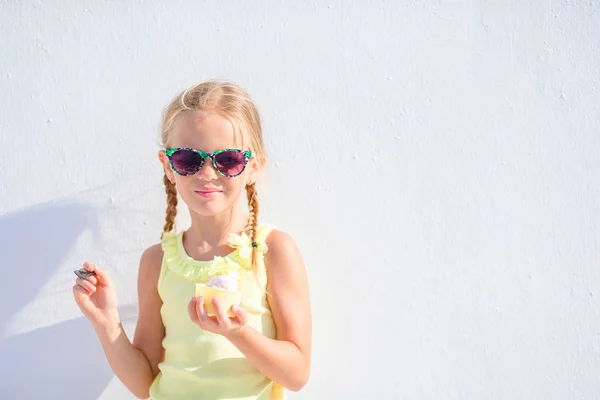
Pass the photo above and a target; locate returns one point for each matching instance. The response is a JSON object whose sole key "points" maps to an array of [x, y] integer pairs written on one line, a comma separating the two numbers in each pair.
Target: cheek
{"points": [[185, 184], [180, 181], [233, 186]]}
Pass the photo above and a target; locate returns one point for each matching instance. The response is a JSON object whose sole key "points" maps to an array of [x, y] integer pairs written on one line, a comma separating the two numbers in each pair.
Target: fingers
{"points": [[89, 283], [222, 317], [221, 322], [198, 315], [79, 292], [81, 296], [85, 284], [102, 276], [202, 316], [93, 280], [192, 311], [90, 278]]}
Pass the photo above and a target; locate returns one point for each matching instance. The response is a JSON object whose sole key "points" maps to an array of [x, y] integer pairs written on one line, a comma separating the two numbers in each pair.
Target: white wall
{"points": [[437, 162]]}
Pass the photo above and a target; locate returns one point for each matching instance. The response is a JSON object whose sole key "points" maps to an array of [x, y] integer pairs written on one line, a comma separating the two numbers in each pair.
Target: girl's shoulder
{"points": [[150, 263], [277, 240], [284, 258]]}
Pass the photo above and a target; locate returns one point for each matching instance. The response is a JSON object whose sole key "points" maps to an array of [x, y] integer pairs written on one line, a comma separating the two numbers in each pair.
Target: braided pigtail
{"points": [[253, 210], [171, 204]]}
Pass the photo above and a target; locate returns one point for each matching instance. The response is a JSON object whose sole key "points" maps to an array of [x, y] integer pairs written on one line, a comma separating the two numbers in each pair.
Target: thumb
{"points": [[241, 314]]}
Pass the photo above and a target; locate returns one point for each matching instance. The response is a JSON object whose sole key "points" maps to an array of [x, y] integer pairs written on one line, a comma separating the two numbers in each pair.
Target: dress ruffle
{"points": [[237, 263]]}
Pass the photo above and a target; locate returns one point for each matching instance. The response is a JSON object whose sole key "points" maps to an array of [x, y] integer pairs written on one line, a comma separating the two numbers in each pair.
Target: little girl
{"points": [[212, 150]]}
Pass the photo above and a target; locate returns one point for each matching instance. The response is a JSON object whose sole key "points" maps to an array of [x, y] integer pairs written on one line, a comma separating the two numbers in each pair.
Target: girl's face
{"points": [[207, 192]]}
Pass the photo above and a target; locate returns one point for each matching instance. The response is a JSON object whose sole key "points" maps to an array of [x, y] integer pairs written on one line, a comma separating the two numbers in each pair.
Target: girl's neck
{"points": [[213, 231]]}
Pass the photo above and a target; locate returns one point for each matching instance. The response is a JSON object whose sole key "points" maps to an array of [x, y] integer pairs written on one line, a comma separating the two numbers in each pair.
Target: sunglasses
{"points": [[229, 162]]}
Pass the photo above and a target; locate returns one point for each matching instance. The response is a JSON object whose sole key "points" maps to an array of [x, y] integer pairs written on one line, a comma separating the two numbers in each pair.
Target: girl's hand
{"points": [[97, 298], [222, 324]]}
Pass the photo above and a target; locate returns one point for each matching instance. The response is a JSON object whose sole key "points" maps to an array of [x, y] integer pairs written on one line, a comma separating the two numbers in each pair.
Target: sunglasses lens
{"points": [[186, 162], [230, 163]]}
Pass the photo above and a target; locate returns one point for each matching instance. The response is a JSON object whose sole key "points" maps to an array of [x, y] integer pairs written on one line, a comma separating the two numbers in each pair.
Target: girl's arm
{"points": [[136, 365], [285, 360]]}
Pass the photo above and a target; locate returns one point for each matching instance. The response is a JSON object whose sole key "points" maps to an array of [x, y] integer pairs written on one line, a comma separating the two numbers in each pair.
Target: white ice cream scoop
{"points": [[225, 289], [224, 282]]}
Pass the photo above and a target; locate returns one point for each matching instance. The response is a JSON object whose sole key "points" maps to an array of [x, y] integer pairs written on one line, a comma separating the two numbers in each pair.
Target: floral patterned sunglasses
{"points": [[186, 161]]}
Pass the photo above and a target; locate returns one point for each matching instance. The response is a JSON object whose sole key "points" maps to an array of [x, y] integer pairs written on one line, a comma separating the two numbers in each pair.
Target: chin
{"points": [[204, 212], [206, 209]]}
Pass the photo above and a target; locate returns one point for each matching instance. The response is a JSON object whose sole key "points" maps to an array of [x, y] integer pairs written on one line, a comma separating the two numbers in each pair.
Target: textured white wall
{"points": [[437, 162]]}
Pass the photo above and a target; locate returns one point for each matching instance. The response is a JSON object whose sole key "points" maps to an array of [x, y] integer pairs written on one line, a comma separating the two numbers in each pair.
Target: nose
{"points": [[207, 171]]}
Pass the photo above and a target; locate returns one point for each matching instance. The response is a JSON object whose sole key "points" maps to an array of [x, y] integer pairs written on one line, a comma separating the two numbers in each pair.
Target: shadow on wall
{"points": [[49, 362]]}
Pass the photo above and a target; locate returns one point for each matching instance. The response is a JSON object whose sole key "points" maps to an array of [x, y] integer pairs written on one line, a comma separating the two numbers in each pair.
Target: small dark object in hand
{"points": [[83, 274]]}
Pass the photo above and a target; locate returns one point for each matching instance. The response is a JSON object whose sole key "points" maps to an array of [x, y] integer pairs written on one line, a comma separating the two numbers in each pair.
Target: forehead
{"points": [[206, 131]]}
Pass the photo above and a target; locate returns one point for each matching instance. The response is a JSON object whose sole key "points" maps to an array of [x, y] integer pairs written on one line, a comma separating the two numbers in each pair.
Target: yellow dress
{"points": [[199, 365]]}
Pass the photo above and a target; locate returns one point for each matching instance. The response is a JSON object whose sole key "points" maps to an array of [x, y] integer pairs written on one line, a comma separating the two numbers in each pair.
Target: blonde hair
{"points": [[234, 103]]}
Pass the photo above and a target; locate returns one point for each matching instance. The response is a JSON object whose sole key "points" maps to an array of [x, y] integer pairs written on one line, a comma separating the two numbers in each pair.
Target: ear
{"points": [[164, 160]]}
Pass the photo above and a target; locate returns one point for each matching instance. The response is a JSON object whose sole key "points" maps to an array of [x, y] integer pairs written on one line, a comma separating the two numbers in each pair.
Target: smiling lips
{"points": [[207, 192]]}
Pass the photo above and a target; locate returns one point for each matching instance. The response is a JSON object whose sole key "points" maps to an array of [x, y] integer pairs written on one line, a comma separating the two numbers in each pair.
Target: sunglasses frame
{"points": [[170, 151]]}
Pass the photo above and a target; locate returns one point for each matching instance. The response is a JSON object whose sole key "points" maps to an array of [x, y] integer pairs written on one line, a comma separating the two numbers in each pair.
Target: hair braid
{"points": [[253, 209], [171, 192]]}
